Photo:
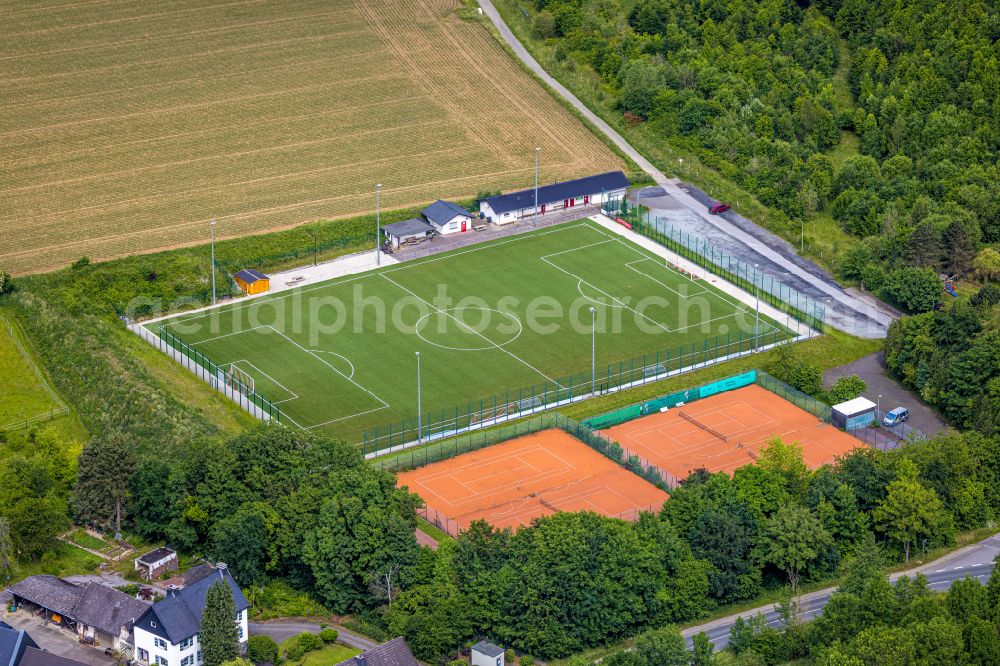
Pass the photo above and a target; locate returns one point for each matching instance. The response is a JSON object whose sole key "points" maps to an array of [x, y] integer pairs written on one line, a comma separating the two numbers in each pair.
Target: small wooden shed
{"points": [[252, 282]]}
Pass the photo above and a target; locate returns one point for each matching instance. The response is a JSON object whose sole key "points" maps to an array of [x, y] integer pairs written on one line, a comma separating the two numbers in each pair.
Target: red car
{"points": [[718, 208]]}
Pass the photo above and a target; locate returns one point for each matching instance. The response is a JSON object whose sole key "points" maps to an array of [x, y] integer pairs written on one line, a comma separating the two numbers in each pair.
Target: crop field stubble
{"points": [[126, 125]]}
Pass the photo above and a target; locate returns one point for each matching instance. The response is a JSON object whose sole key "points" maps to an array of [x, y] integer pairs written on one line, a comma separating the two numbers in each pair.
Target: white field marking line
{"points": [[275, 381], [286, 416], [346, 360], [621, 304], [219, 337], [368, 274], [738, 305], [472, 330], [666, 286], [344, 418], [327, 364], [732, 300]]}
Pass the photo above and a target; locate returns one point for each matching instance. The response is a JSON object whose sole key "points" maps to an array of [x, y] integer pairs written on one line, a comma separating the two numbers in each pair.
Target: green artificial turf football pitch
{"points": [[499, 324]]}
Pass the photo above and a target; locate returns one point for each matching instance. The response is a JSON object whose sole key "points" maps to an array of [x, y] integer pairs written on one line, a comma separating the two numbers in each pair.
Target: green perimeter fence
{"points": [[510, 405], [802, 308], [218, 378]]}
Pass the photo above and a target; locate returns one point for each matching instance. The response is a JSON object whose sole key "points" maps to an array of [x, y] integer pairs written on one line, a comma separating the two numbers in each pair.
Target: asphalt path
{"points": [[974, 561], [854, 313]]}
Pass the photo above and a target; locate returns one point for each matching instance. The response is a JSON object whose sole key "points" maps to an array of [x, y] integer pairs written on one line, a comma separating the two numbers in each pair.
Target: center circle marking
{"points": [[446, 313]]}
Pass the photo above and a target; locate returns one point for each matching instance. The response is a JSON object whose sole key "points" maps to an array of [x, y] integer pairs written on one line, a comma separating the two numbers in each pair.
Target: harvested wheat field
{"points": [[126, 125]]}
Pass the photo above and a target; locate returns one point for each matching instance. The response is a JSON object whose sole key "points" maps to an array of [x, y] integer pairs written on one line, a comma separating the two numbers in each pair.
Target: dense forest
{"points": [[277, 504], [884, 115]]}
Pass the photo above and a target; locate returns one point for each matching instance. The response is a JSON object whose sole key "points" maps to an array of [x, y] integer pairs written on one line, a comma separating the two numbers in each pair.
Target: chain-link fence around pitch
{"points": [[216, 375], [699, 251], [514, 404]]}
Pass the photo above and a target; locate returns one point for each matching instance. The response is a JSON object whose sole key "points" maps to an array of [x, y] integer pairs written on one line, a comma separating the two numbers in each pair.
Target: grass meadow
{"points": [[128, 125], [26, 395], [340, 357]]}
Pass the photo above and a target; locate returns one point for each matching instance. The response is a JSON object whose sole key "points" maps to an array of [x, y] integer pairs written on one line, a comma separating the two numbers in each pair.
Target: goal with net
{"points": [[239, 380]]}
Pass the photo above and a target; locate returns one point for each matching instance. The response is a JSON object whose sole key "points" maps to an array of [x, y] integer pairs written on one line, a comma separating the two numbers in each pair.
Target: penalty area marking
{"points": [[340, 356]]}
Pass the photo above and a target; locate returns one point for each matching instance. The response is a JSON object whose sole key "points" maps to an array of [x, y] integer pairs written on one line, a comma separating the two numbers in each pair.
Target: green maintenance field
{"points": [[500, 327]]}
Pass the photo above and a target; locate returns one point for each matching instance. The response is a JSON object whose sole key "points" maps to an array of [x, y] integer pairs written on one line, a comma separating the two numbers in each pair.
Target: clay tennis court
{"points": [[511, 483], [725, 431]]}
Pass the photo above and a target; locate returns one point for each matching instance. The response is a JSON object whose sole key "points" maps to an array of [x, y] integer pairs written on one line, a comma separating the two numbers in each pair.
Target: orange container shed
{"points": [[252, 282]]}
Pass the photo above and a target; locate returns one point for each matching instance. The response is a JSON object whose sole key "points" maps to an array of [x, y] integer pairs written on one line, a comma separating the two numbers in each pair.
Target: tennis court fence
{"points": [[479, 439], [515, 404]]}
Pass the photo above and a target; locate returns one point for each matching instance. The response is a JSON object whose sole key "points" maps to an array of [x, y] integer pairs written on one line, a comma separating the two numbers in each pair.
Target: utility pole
{"points": [[537, 149], [378, 225], [593, 351], [419, 423], [212, 227]]}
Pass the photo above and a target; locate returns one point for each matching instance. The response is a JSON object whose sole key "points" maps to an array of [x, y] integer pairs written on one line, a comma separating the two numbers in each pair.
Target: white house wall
{"points": [[173, 653]]}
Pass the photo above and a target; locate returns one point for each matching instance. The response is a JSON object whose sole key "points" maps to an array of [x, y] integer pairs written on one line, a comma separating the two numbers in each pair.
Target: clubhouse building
{"points": [[589, 191]]}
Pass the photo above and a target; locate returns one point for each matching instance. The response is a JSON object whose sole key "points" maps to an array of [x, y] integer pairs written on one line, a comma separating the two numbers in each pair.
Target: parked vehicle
{"points": [[896, 416], [718, 208]]}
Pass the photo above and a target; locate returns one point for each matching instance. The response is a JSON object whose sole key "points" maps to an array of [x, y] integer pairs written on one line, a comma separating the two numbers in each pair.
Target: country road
{"points": [[845, 311], [974, 561]]}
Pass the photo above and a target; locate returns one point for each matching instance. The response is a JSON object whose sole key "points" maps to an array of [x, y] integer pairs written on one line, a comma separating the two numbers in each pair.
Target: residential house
{"points": [[589, 191], [447, 218], [167, 634], [485, 653], [394, 653], [17, 648], [100, 615]]}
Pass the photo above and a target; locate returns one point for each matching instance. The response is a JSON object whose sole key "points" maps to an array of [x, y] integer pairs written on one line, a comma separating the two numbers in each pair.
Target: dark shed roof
{"points": [[51, 592], [178, 615], [107, 609], [441, 212], [487, 648], [602, 182], [249, 275], [154, 556], [394, 653], [410, 227], [36, 657]]}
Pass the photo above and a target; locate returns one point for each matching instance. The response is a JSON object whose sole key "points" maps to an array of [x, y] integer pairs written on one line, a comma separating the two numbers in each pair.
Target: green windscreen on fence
{"points": [[670, 400]]}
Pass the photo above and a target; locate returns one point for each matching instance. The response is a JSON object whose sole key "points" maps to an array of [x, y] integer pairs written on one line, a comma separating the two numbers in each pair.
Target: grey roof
{"points": [[556, 192], [107, 609], [13, 644], [178, 615], [440, 212], [249, 275], [93, 604], [487, 648], [394, 653], [407, 228], [154, 556], [196, 573], [51, 592], [36, 657]]}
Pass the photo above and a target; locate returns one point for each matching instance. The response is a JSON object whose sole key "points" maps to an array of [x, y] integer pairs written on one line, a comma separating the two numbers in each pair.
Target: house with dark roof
{"points": [[13, 644], [17, 648], [485, 653], [167, 634], [100, 615], [447, 217], [394, 653], [589, 191], [156, 562]]}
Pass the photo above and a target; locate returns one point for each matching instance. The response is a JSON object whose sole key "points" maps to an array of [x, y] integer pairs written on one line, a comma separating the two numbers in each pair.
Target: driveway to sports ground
{"points": [[846, 310], [975, 561]]}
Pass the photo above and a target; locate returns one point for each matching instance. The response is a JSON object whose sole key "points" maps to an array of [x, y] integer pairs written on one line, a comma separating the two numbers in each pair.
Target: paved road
{"points": [[871, 368], [854, 314], [973, 561], [281, 630]]}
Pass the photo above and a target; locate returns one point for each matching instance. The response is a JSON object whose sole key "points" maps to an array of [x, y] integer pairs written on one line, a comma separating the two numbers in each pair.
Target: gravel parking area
{"points": [[872, 369]]}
